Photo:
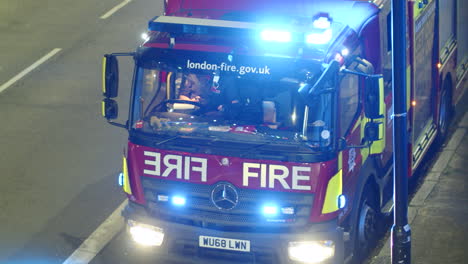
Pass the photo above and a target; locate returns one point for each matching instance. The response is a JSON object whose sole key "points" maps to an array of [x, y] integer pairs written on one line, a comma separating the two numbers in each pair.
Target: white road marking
{"points": [[29, 69], [115, 9], [99, 238]]}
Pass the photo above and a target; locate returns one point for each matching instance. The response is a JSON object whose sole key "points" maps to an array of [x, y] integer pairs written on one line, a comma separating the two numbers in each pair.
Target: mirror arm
{"points": [[328, 90], [360, 146], [132, 54], [361, 74], [343, 146], [117, 124]]}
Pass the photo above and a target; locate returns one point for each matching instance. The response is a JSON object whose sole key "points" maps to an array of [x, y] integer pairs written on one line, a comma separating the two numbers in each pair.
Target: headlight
{"points": [[311, 251], [146, 235]]}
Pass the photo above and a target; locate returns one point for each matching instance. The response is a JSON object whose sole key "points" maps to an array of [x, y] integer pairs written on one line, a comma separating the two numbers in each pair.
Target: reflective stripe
{"points": [[364, 121], [417, 10], [104, 61], [358, 123], [103, 109], [334, 189], [378, 146], [408, 88], [381, 97], [340, 160], [364, 154], [168, 86], [126, 183]]}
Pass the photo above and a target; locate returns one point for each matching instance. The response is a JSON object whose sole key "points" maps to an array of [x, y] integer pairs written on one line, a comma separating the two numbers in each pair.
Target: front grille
{"points": [[200, 211]]}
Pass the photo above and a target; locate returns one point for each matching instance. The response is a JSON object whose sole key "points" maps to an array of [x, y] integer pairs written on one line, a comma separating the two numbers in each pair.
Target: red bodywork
{"points": [[366, 35], [243, 173], [320, 173]]}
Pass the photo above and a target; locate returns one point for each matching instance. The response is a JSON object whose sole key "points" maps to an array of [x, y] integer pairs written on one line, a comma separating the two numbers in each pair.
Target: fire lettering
{"points": [[170, 167], [181, 167], [155, 163], [273, 174], [296, 178], [278, 173]]}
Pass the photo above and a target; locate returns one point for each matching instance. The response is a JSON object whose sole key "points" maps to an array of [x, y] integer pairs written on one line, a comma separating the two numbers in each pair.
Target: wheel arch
{"points": [[447, 85], [368, 176]]}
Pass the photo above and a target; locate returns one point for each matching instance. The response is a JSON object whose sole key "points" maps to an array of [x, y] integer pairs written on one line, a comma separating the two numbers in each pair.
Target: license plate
{"points": [[224, 243]]}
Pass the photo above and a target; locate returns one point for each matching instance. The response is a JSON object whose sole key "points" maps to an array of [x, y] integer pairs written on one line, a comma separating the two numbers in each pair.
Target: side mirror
{"points": [[374, 136], [341, 144], [110, 109], [110, 76], [326, 80], [372, 131], [374, 105]]}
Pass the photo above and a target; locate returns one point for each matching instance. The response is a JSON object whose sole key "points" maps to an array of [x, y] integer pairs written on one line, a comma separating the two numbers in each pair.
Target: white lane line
{"points": [[115, 9], [99, 238], [29, 69]]}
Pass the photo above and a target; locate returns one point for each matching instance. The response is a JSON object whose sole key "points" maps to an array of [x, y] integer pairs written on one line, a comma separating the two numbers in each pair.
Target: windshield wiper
{"points": [[166, 140], [249, 150]]}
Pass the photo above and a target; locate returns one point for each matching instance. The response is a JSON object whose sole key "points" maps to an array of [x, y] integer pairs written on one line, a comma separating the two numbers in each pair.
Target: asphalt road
{"points": [[58, 157]]}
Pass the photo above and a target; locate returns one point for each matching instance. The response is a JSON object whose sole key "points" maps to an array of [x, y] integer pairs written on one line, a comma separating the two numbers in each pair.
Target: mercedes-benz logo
{"points": [[224, 196]]}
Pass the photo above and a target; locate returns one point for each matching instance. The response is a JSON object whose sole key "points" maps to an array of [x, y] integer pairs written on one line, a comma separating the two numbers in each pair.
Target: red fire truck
{"points": [[261, 131]]}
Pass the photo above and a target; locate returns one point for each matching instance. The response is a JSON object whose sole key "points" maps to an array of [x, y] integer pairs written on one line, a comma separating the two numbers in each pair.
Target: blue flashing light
{"points": [[120, 179], [319, 38], [270, 210], [322, 23], [276, 35], [345, 52], [178, 200], [341, 201]]}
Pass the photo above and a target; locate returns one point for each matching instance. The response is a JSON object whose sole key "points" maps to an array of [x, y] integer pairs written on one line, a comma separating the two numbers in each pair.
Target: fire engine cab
{"points": [[260, 131]]}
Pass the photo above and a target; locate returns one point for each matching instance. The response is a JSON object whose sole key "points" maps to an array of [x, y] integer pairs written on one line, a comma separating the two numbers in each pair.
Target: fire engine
{"points": [[261, 131]]}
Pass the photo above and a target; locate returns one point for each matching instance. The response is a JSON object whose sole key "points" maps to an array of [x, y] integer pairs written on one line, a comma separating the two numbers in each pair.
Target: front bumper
{"points": [[181, 242]]}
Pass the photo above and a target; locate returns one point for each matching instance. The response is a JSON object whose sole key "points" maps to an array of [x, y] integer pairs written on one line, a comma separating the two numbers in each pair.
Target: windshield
{"points": [[243, 103]]}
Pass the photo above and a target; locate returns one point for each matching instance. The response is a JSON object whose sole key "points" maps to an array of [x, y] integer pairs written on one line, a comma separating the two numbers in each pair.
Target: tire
{"points": [[445, 114], [366, 225]]}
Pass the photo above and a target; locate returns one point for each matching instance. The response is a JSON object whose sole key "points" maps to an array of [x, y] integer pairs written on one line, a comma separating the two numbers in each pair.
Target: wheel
{"points": [[445, 112], [366, 226]]}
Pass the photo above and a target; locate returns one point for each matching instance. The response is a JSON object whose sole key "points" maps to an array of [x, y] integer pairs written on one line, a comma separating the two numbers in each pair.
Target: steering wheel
{"points": [[164, 107], [180, 101]]}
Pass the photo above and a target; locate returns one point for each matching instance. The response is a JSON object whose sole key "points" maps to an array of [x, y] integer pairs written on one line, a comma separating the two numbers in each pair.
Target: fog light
{"points": [[146, 235], [121, 179], [311, 251], [341, 201]]}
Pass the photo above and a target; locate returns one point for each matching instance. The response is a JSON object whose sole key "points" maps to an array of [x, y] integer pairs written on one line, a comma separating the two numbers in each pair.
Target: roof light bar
{"points": [[181, 25], [321, 32], [276, 35], [319, 37], [322, 23]]}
